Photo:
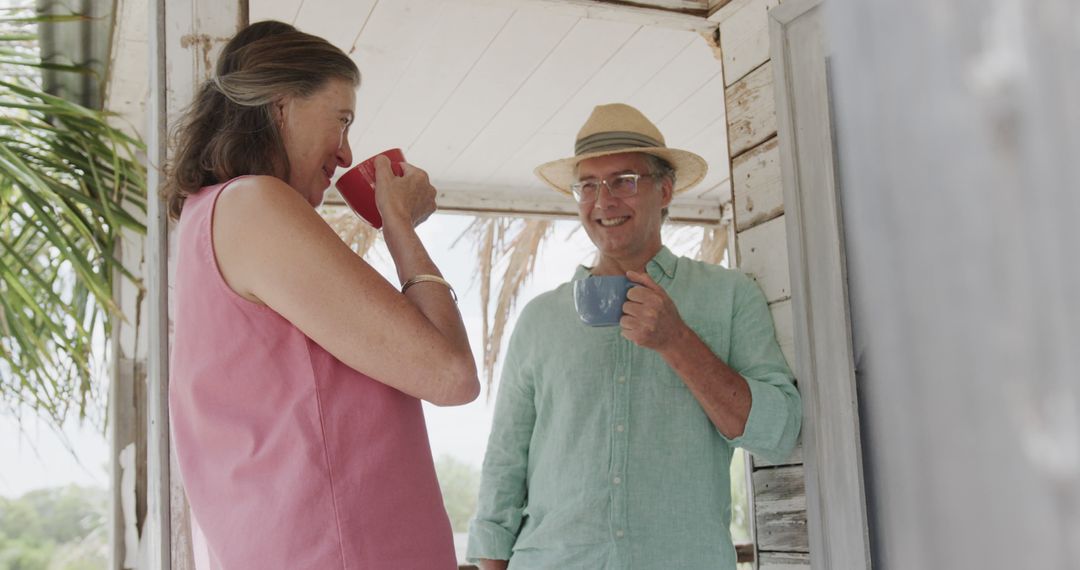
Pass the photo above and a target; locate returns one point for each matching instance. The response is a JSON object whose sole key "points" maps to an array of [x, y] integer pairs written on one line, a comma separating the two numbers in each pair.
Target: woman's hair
{"points": [[229, 129]]}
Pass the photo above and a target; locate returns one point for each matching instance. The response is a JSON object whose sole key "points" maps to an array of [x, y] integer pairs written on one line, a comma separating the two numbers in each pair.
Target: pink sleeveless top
{"points": [[290, 458]]}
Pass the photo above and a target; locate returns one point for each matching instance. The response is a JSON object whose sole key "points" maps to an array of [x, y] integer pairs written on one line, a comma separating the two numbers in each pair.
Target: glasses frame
{"points": [[577, 187]]}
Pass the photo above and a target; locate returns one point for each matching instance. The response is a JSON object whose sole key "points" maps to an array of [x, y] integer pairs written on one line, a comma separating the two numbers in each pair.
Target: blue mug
{"points": [[599, 300]]}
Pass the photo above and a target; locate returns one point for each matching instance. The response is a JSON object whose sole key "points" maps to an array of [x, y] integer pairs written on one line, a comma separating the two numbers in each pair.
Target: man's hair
{"points": [[229, 129], [661, 170]]}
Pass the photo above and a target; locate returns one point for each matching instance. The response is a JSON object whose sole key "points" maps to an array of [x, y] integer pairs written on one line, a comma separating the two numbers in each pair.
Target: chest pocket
{"points": [[711, 333]]}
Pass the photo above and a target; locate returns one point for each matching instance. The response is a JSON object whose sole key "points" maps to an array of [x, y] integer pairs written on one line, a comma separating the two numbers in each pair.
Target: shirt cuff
{"points": [[489, 540], [763, 434]]}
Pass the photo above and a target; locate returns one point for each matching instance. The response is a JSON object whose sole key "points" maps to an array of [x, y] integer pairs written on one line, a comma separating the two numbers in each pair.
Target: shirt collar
{"points": [[661, 267]]}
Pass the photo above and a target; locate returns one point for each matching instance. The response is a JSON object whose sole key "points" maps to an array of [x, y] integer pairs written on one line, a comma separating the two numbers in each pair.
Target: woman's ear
{"points": [[277, 111]]}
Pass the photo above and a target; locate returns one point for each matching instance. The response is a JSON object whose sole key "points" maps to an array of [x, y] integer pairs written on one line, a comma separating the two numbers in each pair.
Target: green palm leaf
{"points": [[69, 185]]}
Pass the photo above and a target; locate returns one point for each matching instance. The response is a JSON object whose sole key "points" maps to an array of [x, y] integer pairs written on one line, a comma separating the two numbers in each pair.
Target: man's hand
{"points": [[486, 564], [650, 319]]}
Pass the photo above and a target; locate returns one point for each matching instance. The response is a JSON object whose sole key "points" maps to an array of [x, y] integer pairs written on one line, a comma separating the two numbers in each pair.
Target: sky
{"points": [[32, 456]]}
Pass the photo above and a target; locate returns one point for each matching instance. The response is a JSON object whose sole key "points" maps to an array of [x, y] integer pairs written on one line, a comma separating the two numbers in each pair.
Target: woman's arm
{"points": [[273, 248]]}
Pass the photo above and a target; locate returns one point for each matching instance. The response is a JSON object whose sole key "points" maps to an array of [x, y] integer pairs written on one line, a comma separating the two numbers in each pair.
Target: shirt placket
{"points": [[620, 438]]}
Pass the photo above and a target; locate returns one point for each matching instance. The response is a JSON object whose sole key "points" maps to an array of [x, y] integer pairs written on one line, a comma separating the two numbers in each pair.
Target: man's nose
{"points": [[604, 197]]}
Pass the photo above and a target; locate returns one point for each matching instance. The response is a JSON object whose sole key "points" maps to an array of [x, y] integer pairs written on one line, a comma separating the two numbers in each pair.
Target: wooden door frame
{"points": [[835, 491]]}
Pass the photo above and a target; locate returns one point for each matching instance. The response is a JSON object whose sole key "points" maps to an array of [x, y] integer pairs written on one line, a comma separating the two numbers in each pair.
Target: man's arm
{"points": [[652, 321], [751, 398]]}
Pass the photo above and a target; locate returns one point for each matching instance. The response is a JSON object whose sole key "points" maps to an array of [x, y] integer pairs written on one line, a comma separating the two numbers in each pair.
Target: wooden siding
{"points": [[744, 36], [779, 493], [763, 256], [759, 196], [751, 111], [783, 561], [780, 498]]}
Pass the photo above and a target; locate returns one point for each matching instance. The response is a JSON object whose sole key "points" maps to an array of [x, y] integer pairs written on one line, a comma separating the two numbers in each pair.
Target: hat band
{"points": [[602, 142]]}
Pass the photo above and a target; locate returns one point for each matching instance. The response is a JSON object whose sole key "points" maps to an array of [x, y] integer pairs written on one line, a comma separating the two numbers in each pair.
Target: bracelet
{"points": [[429, 278]]}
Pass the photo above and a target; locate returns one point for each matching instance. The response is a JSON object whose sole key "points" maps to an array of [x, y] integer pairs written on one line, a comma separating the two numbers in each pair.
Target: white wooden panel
{"points": [[637, 13], [783, 561], [763, 256], [390, 39], [785, 330], [744, 36], [751, 111], [821, 316], [968, 314], [700, 110], [759, 196], [577, 58], [326, 18], [463, 33], [520, 48], [644, 55], [281, 10], [780, 509], [666, 90]]}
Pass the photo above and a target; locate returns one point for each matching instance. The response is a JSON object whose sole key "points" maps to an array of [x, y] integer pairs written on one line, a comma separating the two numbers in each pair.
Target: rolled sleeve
{"points": [[503, 492], [772, 428]]}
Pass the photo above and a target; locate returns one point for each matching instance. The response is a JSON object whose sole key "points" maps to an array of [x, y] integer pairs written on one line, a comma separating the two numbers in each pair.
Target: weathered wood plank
{"points": [[763, 256], [796, 458], [759, 196], [751, 111], [783, 561], [780, 509], [785, 330], [744, 36]]}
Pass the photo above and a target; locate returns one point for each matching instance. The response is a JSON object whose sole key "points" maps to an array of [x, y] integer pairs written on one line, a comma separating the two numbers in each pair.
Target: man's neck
{"points": [[607, 265]]}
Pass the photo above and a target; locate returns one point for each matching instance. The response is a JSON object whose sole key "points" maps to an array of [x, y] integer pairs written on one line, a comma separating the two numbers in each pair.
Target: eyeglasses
{"points": [[619, 186]]}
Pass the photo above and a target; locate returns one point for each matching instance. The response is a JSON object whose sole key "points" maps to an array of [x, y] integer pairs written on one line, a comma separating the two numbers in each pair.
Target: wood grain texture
{"points": [[763, 256], [744, 36], [780, 509], [751, 110], [759, 196]]}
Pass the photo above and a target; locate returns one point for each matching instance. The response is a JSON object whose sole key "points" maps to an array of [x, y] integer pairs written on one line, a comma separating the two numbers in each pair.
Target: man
{"points": [[611, 446]]}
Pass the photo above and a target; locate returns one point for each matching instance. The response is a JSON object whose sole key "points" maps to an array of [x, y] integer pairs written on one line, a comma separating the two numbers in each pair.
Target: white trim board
{"points": [[824, 365]]}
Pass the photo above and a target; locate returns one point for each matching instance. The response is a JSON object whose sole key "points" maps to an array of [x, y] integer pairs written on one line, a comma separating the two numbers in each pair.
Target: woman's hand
{"points": [[408, 199]]}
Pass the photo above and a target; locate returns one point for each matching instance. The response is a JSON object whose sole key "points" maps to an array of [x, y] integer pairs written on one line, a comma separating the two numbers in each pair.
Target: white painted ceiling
{"points": [[479, 92]]}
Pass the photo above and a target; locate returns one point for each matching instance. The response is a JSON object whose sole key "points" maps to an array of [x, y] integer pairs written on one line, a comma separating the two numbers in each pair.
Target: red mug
{"points": [[357, 186]]}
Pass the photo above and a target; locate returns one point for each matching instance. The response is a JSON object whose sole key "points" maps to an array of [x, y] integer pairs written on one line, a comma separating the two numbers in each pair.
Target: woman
{"points": [[297, 370]]}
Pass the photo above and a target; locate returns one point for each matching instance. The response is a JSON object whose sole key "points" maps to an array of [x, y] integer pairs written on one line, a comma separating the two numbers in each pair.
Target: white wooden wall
{"points": [[959, 135], [761, 238]]}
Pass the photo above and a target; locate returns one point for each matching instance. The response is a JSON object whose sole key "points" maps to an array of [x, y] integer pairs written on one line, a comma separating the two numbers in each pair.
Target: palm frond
{"points": [[513, 244], [70, 183]]}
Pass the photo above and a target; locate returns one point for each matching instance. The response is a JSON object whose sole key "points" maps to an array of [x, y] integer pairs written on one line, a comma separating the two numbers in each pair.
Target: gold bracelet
{"points": [[429, 278]]}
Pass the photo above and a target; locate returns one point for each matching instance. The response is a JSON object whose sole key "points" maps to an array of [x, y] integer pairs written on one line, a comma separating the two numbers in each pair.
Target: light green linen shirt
{"points": [[599, 455]]}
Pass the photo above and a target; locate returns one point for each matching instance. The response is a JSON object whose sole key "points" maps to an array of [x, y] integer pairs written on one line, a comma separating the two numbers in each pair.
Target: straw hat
{"points": [[616, 128]]}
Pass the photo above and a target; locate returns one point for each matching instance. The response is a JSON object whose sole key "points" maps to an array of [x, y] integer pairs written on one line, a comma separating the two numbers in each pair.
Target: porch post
{"points": [[185, 38]]}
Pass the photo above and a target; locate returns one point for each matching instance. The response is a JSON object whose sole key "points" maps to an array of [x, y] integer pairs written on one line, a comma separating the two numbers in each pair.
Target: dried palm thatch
{"points": [[356, 233], [714, 243], [513, 244]]}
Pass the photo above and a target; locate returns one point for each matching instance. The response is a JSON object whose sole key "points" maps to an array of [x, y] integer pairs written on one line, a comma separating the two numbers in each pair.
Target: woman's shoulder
{"points": [[256, 198]]}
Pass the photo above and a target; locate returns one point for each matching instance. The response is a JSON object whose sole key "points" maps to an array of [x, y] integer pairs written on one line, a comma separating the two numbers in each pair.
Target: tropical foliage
{"points": [[62, 528], [70, 183]]}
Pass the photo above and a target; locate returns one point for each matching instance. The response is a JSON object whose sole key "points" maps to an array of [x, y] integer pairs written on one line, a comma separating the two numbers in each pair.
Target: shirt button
{"points": [[619, 533], [617, 480], [620, 427], [622, 379]]}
